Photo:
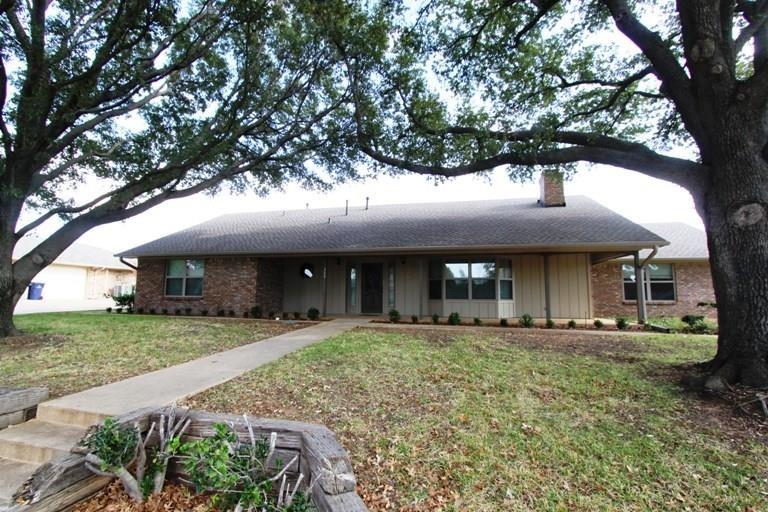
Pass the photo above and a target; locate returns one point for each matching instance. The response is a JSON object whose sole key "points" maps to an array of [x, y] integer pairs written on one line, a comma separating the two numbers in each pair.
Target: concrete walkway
{"points": [[60, 423]]}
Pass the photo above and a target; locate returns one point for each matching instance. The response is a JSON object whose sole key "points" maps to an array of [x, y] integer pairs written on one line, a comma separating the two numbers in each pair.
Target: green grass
{"points": [[68, 352], [485, 421]]}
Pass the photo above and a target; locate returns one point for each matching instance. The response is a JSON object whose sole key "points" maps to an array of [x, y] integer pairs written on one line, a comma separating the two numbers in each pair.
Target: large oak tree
{"points": [[152, 100], [468, 86]]}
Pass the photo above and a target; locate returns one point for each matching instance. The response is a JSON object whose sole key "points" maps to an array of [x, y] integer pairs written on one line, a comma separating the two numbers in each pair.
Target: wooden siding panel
{"points": [[569, 285], [528, 272]]}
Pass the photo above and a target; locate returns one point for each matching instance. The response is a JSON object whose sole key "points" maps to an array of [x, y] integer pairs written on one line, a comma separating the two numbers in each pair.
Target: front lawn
{"points": [[487, 420], [69, 352]]}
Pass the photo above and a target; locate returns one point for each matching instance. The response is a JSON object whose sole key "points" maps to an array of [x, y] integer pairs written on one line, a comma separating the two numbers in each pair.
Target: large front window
{"points": [[184, 278], [659, 282], [468, 280]]}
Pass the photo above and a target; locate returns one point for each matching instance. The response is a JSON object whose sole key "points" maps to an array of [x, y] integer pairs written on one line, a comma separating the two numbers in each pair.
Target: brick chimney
{"points": [[551, 188]]}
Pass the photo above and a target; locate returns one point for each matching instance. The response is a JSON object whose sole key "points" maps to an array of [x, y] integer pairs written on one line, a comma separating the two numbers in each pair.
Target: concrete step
{"points": [[12, 475], [50, 412], [37, 442]]}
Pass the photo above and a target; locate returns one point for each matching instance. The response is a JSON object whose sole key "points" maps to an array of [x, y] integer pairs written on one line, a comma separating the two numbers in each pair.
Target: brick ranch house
{"points": [[677, 280], [486, 259]]}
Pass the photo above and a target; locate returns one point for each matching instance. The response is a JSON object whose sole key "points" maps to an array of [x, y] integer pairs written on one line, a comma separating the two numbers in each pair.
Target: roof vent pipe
{"points": [[366, 203], [346, 208]]}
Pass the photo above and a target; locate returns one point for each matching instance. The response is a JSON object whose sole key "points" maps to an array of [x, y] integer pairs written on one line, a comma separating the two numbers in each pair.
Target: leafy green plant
{"points": [[571, 324], [256, 311], [435, 318], [526, 321], [700, 327], [454, 318], [118, 310], [414, 319], [152, 311], [477, 321], [188, 311], [221, 312], [109, 310], [313, 314], [125, 300], [692, 320], [550, 324], [238, 473], [112, 448], [203, 312], [296, 315], [504, 322], [165, 311], [246, 314], [622, 323], [140, 311], [394, 316], [598, 323], [231, 312]]}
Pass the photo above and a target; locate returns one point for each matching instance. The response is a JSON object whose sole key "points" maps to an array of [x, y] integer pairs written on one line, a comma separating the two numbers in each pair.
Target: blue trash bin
{"points": [[35, 291]]}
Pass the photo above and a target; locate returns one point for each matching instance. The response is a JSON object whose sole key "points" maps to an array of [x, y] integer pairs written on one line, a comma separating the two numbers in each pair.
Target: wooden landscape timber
{"points": [[19, 405], [59, 484]]}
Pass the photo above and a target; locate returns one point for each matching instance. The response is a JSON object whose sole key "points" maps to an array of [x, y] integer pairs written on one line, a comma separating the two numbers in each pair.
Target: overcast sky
{"points": [[633, 195]]}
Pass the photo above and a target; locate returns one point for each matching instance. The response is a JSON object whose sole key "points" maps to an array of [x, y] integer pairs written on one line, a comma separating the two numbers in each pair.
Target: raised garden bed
{"points": [[318, 457], [19, 405]]}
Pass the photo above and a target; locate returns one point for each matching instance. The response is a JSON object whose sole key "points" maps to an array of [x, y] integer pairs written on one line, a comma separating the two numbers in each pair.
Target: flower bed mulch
{"points": [[173, 498]]}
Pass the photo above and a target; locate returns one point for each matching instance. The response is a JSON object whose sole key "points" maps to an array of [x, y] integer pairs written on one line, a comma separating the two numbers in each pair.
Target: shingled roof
{"points": [[508, 224], [685, 242]]}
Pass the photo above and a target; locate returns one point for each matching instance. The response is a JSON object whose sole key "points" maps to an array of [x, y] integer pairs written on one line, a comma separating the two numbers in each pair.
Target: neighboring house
{"points": [[486, 259], [80, 272], [677, 279]]}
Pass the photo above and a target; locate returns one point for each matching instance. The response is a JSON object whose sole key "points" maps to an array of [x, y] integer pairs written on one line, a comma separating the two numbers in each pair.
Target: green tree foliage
{"points": [[150, 100]]}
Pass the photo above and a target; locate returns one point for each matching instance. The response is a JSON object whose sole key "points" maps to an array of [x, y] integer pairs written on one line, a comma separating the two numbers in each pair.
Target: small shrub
{"points": [[692, 320], [221, 312], [700, 327], [256, 312], [598, 323], [454, 318], [118, 310], [203, 312], [504, 322], [165, 311], [296, 315], [109, 310], [477, 321], [152, 311], [140, 311], [526, 321], [232, 312], [435, 319], [245, 314], [622, 323], [550, 323], [125, 300], [129, 311], [313, 314], [414, 319], [571, 324], [394, 316], [178, 312], [188, 311], [271, 315]]}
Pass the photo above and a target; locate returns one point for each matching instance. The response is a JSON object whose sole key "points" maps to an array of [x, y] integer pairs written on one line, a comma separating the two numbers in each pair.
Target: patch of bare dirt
{"points": [[618, 348], [31, 341], [173, 498]]}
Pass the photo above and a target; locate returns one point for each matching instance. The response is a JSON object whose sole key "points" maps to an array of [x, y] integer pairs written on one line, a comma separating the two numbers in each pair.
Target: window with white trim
{"points": [[184, 278], [659, 282], [506, 291]]}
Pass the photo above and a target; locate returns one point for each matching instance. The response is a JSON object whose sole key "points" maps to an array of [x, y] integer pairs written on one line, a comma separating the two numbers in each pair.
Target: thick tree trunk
{"points": [[9, 292], [734, 207]]}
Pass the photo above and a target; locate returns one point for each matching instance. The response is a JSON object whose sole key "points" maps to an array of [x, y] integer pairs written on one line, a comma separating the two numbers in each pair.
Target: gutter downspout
{"points": [[547, 296], [325, 286], [130, 265], [642, 314]]}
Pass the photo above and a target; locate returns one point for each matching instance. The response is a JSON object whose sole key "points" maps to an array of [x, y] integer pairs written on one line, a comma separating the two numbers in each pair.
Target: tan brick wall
{"points": [[228, 284], [693, 284]]}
